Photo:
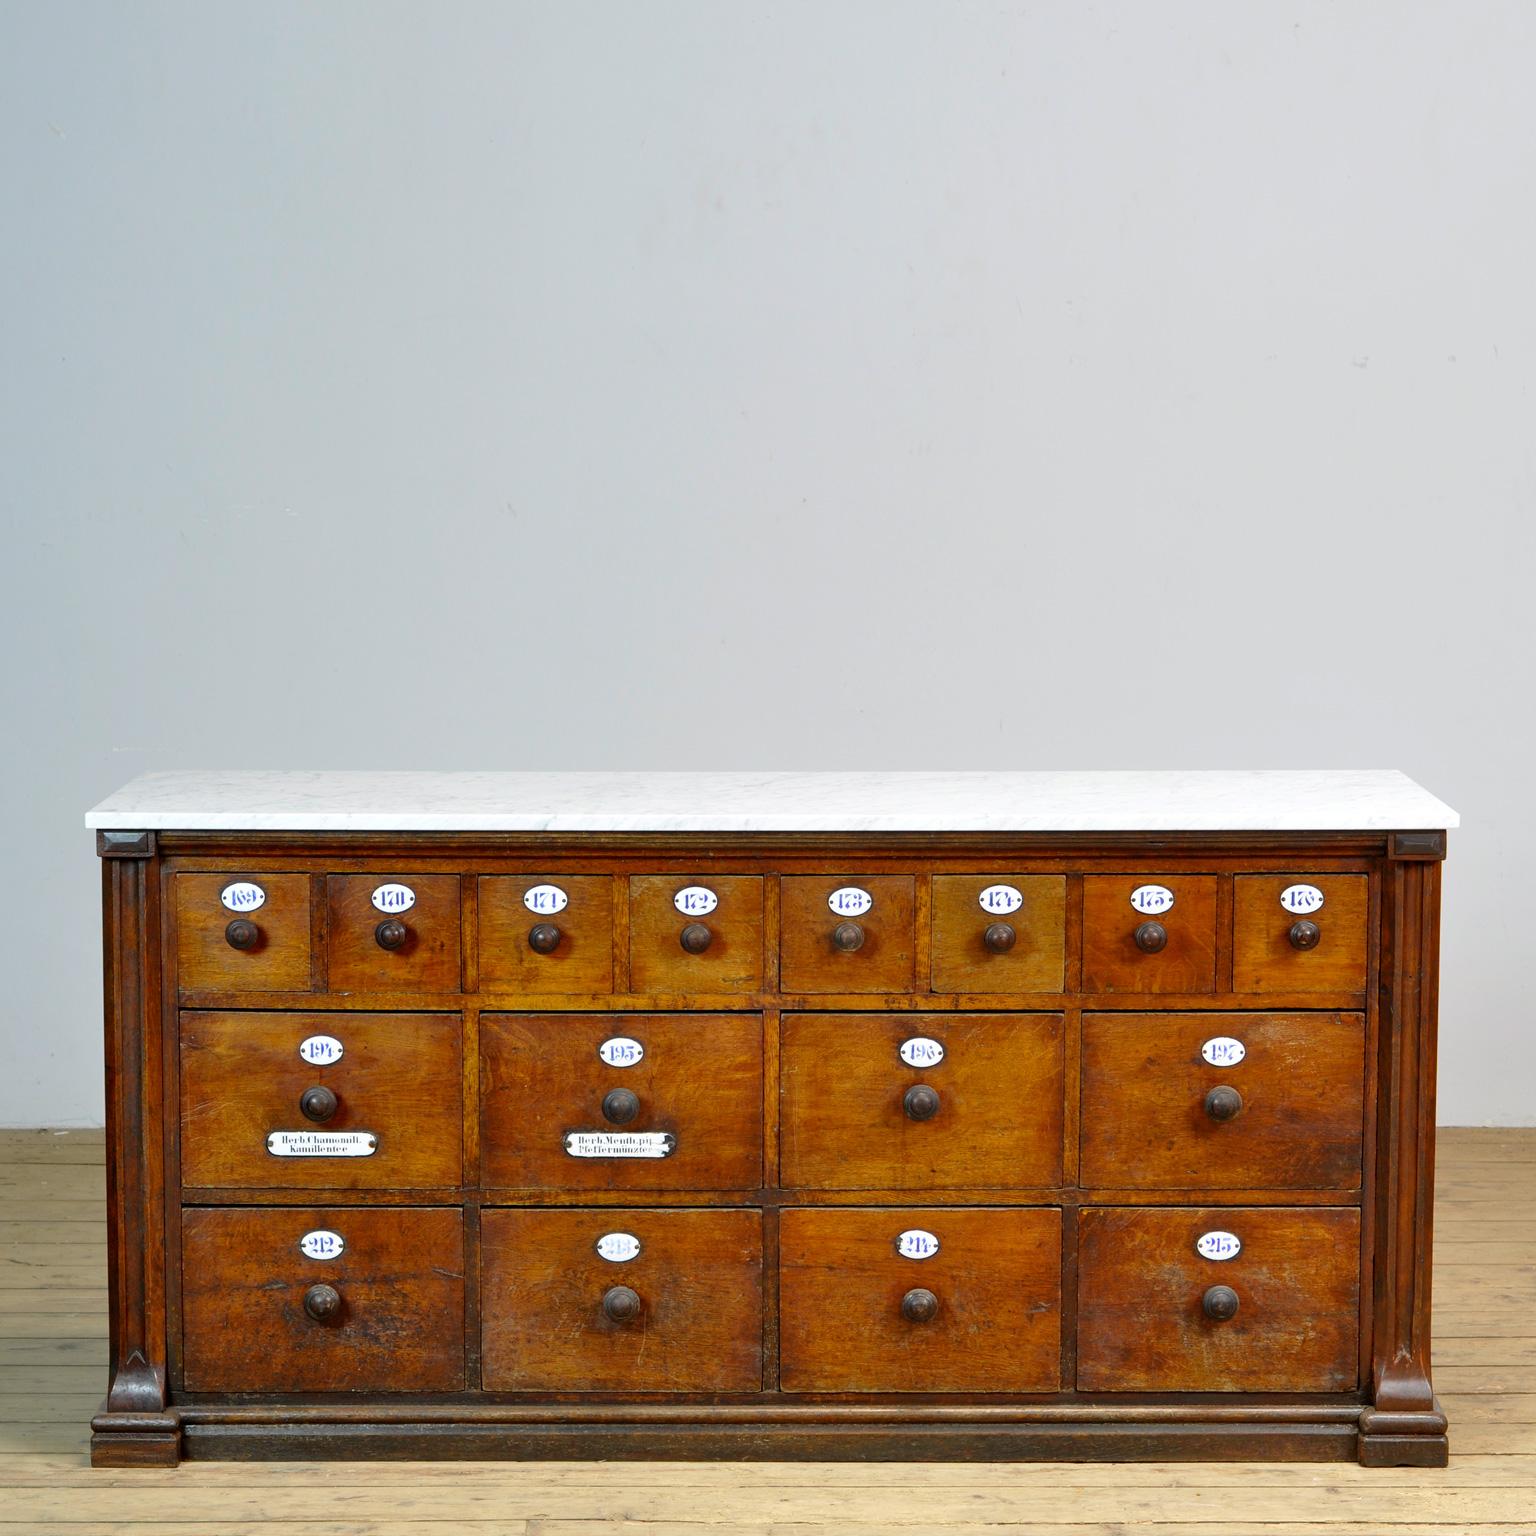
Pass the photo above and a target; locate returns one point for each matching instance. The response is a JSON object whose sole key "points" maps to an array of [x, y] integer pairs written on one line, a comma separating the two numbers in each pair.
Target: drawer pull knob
{"points": [[920, 1102], [318, 1104], [695, 938], [544, 938], [919, 1306], [322, 1302], [621, 1304], [1220, 1303], [391, 934], [848, 937], [1151, 937], [1303, 934], [1000, 938], [620, 1106], [244, 934], [1223, 1103]]}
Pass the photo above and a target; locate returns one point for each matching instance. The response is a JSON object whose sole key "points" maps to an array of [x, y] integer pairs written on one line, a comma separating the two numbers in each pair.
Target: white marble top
{"points": [[1127, 801]]}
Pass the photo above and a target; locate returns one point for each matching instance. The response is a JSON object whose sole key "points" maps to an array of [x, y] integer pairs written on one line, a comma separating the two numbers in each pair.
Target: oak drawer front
{"points": [[385, 1314], [921, 1101], [1154, 1315], [243, 933], [393, 933], [677, 1308], [850, 933], [546, 933], [320, 1100], [587, 1101], [1149, 933], [1168, 1104], [1285, 940], [981, 1314], [999, 933], [695, 934]]}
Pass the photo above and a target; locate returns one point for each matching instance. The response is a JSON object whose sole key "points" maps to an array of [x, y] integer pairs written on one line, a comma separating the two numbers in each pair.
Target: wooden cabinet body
{"points": [[826, 1180]]}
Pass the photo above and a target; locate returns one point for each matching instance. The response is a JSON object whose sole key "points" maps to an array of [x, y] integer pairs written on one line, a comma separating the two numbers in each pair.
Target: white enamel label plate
{"points": [[394, 898], [242, 896], [1000, 900], [1151, 899], [1219, 1246], [320, 1050], [917, 1244], [620, 1143], [695, 901], [546, 900], [322, 1245], [618, 1247], [621, 1051], [920, 1051], [1223, 1051], [322, 1143], [1301, 899], [850, 901]]}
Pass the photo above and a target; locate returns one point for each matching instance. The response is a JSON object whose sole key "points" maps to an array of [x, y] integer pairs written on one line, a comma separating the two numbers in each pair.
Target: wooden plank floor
{"points": [[53, 1352]]}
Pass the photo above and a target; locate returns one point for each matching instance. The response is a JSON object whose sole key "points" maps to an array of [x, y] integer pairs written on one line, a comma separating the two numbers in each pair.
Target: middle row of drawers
{"points": [[585, 1102]]}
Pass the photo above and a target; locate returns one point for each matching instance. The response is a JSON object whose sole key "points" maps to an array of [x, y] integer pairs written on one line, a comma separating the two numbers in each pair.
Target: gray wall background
{"points": [[790, 385]]}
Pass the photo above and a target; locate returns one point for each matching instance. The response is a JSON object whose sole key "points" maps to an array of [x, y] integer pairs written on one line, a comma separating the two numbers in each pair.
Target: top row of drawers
{"points": [[552, 935]]}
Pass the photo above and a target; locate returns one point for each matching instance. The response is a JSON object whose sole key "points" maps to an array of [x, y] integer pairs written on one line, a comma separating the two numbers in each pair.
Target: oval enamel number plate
{"points": [[621, 1051], [695, 901], [920, 1051], [322, 1245], [850, 901], [1223, 1051], [1000, 900], [1219, 1246], [242, 896], [546, 900], [917, 1244], [1151, 899], [618, 1247], [393, 898], [320, 1050], [1301, 898]]}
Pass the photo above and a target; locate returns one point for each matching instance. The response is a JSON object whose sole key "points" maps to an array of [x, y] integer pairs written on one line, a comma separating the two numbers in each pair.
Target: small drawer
{"points": [[393, 933], [383, 1313], [999, 933], [1155, 1315], [1149, 933], [242, 933], [621, 1101], [1222, 1100], [849, 933], [921, 1100], [695, 934], [546, 933], [1284, 939], [320, 1100], [622, 1300], [981, 1313]]}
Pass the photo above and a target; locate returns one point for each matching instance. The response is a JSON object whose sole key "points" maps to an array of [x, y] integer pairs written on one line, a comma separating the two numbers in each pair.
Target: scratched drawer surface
{"points": [[1299, 933], [1220, 1299], [999, 933], [622, 1300], [621, 1101], [847, 933], [393, 932], [915, 1101], [325, 1299], [243, 933], [546, 933], [920, 1299], [1150, 932], [332, 1100], [1223, 1100]]}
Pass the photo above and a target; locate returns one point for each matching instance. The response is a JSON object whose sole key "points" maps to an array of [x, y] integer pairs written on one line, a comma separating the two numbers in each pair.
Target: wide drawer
{"points": [[975, 1308], [384, 1312], [243, 933], [1223, 1100], [622, 1300], [320, 1100], [621, 1101], [921, 1101], [1275, 1309]]}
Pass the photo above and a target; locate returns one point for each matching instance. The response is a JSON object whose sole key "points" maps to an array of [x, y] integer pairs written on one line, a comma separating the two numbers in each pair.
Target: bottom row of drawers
{"points": [[671, 1300]]}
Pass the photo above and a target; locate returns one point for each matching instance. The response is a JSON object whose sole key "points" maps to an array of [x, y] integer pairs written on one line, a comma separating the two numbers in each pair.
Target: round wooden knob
{"points": [[1304, 934], [695, 938], [544, 938], [620, 1106], [919, 1306], [318, 1104], [322, 1302], [1219, 1303], [242, 934], [621, 1304], [1150, 938], [1223, 1103], [848, 937], [1000, 938], [920, 1102], [391, 933]]}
